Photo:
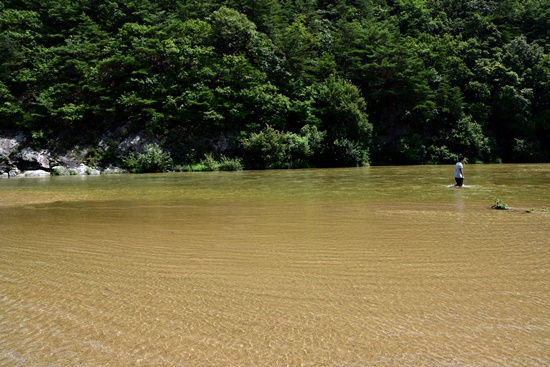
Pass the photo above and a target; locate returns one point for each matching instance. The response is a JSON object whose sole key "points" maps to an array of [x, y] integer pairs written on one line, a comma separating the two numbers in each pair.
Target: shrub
{"points": [[195, 168], [271, 148], [440, 154], [209, 162], [467, 137], [224, 164], [230, 164], [152, 160], [264, 149], [57, 171], [345, 153]]}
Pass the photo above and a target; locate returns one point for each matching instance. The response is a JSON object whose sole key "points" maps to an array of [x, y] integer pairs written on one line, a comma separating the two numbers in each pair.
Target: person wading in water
{"points": [[459, 171]]}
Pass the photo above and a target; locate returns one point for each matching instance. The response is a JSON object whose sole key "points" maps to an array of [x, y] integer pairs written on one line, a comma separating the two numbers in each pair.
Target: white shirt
{"points": [[458, 170]]}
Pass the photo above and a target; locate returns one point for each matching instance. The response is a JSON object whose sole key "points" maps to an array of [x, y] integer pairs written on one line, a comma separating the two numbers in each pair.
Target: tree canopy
{"points": [[284, 83]]}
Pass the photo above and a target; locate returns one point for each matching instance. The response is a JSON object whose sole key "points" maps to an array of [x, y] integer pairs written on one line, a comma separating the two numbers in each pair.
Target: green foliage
{"points": [[499, 204], [231, 31], [152, 160], [439, 154], [230, 164], [265, 149], [467, 137], [57, 171], [343, 116], [208, 163], [298, 46], [271, 149], [286, 83], [194, 168]]}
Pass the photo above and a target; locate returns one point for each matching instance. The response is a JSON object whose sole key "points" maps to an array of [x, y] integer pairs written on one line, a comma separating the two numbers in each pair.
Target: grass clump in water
{"points": [[500, 204], [210, 164]]}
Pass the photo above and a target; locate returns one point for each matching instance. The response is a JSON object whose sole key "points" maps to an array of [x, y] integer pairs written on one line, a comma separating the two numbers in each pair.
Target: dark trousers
{"points": [[459, 181]]}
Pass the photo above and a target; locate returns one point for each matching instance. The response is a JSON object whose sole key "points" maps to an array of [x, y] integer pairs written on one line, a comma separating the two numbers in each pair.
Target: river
{"points": [[374, 266]]}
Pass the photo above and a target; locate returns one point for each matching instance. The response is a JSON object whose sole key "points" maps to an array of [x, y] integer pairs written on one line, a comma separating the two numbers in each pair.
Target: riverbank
{"points": [[19, 158]]}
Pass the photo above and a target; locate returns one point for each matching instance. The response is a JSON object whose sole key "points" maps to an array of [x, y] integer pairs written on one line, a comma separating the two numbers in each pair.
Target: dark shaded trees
{"points": [[322, 83]]}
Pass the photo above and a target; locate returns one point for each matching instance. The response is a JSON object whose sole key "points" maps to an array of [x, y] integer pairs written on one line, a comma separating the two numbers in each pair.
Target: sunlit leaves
{"points": [[231, 31], [467, 137], [408, 81], [271, 148], [343, 115]]}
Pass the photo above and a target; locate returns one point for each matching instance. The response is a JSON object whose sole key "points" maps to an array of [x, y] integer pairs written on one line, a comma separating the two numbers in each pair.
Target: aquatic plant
{"points": [[500, 204], [542, 210]]}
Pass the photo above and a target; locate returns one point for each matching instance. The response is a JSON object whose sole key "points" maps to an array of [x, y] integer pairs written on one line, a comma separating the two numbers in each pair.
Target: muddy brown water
{"points": [[377, 266]]}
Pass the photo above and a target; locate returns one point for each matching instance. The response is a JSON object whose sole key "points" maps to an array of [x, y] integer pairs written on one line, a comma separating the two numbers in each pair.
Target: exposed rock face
{"points": [[82, 169], [67, 161], [36, 173], [29, 159], [17, 159], [9, 145]]}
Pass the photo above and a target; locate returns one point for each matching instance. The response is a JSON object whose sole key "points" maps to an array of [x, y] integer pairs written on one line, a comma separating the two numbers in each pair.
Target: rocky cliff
{"points": [[20, 158]]}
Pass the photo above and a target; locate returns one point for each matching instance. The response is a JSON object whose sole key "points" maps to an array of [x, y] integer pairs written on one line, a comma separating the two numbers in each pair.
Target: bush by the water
{"points": [[224, 164], [154, 159], [209, 163]]}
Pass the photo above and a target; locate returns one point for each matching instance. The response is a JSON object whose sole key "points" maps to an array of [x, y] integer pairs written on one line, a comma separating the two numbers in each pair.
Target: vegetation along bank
{"points": [[160, 85]]}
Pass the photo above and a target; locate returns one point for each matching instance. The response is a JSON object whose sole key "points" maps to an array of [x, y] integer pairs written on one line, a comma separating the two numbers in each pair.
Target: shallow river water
{"points": [[376, 266]]}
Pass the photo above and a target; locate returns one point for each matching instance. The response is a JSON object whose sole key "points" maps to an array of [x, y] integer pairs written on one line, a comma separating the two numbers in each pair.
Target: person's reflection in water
{"points": [[459, 203]]}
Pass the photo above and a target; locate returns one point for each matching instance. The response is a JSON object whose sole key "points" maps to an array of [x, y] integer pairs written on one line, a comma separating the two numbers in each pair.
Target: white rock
{"points": [[8, 145], [36, 173]]}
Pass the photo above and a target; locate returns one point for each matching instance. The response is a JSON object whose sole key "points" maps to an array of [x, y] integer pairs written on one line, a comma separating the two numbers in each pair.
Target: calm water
{"points": [[378, 266]]}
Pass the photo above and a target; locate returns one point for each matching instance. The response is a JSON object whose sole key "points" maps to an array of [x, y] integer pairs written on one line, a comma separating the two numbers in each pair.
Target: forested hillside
{"points": [[282, 83]]}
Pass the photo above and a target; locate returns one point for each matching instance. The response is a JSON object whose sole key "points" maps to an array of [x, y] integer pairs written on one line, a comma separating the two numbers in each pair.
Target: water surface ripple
{"points": [[379, 266]]}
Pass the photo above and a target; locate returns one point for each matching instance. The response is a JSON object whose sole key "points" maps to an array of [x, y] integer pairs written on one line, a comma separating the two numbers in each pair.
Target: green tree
{"points": [[20, 33], [274, 149], [343, 115]]}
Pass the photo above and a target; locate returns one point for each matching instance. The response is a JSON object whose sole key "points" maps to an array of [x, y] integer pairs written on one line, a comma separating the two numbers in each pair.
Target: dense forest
{"points": [[282, 83]]}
